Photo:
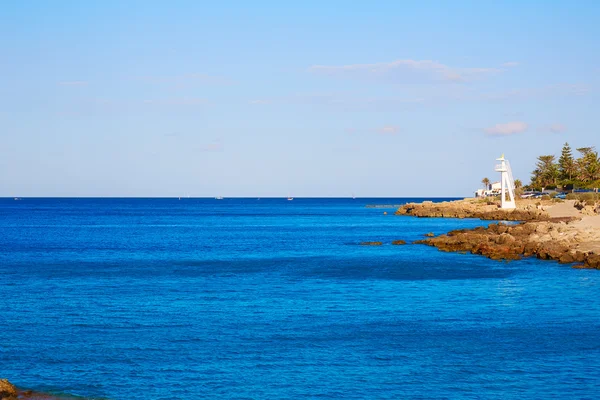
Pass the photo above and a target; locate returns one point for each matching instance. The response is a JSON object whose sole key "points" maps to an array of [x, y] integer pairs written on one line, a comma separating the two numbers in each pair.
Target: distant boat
{"points": [[290, 198], [18, 198], [219, 198]]}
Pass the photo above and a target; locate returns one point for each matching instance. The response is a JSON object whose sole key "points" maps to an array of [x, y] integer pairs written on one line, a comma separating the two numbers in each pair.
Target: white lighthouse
{"points": [[507, 183]]}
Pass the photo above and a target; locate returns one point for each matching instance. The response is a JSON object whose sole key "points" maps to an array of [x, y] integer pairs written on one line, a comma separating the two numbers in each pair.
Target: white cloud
{"points": [[509, 128], [406, 71]]}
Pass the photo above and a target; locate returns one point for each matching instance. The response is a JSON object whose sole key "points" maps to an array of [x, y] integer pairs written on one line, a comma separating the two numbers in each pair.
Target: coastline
{"points": [[8, 391], [567, 232]]}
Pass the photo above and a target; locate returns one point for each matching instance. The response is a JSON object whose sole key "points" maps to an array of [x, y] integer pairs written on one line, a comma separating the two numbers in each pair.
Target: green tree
{"points": [[546, 172], [518, 187], [588, 165], [518, 184], [566, 164], [486, 183]]}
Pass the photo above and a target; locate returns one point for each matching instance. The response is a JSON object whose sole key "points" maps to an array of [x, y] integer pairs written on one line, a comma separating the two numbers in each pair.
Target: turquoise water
{"points": [[247, 298]]}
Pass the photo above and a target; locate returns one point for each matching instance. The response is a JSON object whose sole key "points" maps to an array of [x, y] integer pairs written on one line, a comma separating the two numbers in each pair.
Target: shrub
{"points": [[589, 198]]}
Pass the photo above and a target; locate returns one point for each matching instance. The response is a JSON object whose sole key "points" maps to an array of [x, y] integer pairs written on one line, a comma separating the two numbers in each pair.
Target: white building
{"points": [[493, 189]]}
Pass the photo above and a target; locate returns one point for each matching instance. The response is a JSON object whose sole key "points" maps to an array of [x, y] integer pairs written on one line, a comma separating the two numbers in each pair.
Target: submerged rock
{"points": [[398, 242], [371, 243]]}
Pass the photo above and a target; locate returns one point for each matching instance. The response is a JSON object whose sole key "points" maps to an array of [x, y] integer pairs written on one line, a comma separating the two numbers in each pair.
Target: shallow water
{"points": [[247, 298]]}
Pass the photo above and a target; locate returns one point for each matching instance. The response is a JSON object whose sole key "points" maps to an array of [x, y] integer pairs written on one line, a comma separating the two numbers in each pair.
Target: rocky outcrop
{"points": [[7, 390], [549, 240], [528, 211], [398, 242], [371, 243]]}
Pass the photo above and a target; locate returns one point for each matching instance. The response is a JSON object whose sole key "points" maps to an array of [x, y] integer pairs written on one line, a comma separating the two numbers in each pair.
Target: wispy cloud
{"points": [[185, 80], [73, 83], [349, 101], [561, 89], [511, 64], [406, 71], [216, 146], [177, 101], [553, 128], [507, 129], [382, 130], [388, 130]]}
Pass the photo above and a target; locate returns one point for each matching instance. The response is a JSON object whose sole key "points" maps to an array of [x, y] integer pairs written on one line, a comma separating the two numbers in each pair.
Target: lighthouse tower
{"points": [[507, 183]]}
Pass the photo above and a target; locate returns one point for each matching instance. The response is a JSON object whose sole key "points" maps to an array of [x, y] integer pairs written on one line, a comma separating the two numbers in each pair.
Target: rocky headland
{"points": [[473, 208], [568, 232]]}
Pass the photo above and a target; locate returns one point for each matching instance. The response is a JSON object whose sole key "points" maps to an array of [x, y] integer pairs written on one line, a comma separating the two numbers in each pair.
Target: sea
{"points": [[247, 298]]}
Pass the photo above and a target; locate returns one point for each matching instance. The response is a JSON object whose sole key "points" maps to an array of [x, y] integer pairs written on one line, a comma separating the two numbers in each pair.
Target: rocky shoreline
{"points": [[8, 391], [471, 208], [567, 232]]}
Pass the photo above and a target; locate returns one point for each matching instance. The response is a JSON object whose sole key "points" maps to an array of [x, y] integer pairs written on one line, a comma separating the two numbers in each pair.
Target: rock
{"points": [[398, 242], [579, 256], [371, 243], [505, 238], [593, 261], [7, 390], [470, 209], [537, 235]]}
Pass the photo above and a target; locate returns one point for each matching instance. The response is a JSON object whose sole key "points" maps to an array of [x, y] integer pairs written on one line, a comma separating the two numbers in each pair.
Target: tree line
{"points": [[581, 172]]}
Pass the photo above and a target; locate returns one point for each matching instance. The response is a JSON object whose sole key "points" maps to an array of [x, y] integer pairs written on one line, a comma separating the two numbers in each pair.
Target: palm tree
{"points": [[518, 184], [486, 183], [518, 187]]}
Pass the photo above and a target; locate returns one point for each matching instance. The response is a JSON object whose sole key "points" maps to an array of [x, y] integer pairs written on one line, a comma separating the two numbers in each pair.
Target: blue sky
{"points": [[265, 98]]}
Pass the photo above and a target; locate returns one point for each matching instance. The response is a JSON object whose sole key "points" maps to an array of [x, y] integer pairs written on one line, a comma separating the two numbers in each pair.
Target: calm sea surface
{"points": [[269, 298]]}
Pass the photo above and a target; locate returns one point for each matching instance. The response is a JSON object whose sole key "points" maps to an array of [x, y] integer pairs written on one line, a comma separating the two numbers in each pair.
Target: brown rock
{"points": [[7, 390], [579, 256], [566, 258], [371, 243], [430, 234], [505, 238], [593, 261], [398, 242]]}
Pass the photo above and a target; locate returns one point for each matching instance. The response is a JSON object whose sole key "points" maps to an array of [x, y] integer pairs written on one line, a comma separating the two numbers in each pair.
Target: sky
{"points": [[273, 98]]}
